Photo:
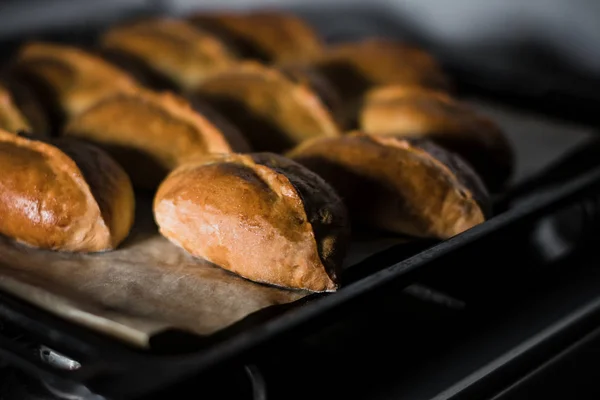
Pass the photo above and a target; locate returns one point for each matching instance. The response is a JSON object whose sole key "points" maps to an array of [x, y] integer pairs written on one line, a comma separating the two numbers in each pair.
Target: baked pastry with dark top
{"points": [[11, 118], [408, 187], [166, 49], [259, 215], [67, 196], [355, 67], [22, 98], [148, 133], [416, 112], [67, 80], [267, 36], [274, 112], [311, 77]]}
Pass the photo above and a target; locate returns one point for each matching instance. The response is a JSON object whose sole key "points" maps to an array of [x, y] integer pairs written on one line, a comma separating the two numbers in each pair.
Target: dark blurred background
{"points": [[540, 49], [548, 36]]}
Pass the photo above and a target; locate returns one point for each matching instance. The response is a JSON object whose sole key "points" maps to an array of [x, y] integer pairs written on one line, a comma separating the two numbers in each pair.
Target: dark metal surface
{"points": [[573, 374]]}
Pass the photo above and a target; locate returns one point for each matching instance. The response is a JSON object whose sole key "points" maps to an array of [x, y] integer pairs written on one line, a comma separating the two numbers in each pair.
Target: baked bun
{"points": [[274, 112], [166, 49], [148, 133], [66, 196], [11, 118], [355, 67], [409, 187], [414, 112], [68, 80], [263, 35], [260, 215]]}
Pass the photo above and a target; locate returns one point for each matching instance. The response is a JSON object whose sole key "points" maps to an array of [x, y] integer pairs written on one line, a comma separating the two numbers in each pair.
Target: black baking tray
{"points": [[570, 374], [116, 370]]}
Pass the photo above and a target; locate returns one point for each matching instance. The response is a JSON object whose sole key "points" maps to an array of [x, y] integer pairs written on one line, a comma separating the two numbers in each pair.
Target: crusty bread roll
{"points": [[67, 79], [355, 67], [260, 215], [11, 118], [417, 112], [171, 49], [267, 36], [413, 188], [360, 65], [274, 112], [148, 133], [66, 196]]}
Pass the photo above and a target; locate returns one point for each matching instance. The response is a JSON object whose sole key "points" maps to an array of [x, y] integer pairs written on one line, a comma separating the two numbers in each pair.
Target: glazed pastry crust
{"points": [[50, 202], [274, 112], [417, 112], [172, 48], [265, 36], [148, 133], [398, 186], [260, 216], [70, 79]]}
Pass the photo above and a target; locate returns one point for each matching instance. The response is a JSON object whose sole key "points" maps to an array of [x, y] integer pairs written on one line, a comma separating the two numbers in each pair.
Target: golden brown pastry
{"points": [[414, 112], [274, 112], [11, 118], [413, 188], [172, 49], [267, 36], [68, 79], [66, 196], [260, 215], [355, 67], [148, 133]]}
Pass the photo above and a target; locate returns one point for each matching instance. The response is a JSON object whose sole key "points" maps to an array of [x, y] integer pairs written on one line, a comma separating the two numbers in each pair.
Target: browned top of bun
{"points": [[170, 47], [148, 133], [393, 184], [417, 112], [311, 77], [263, 35], [378, 61], [272, 111], [260, 215], [390, 93], [235, 138], [74, 78], [11, 118], [29, 106], [48, 201], [355, 67]]}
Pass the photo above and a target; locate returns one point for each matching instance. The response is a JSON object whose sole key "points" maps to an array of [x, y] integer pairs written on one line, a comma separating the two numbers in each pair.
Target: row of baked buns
{"points": [[259, 143]]}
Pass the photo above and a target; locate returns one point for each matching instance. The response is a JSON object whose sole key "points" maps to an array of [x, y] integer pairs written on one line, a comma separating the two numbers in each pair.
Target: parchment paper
{"points": [[149, 285], [144, 287]]}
